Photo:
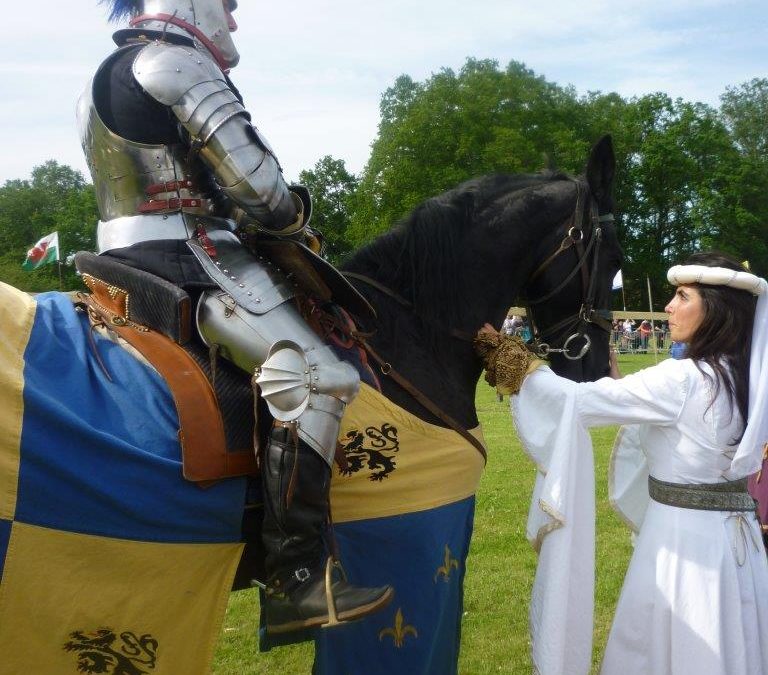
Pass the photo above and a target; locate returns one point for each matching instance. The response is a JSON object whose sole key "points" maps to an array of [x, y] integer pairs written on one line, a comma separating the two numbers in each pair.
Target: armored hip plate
{"points": [[255, 284]]}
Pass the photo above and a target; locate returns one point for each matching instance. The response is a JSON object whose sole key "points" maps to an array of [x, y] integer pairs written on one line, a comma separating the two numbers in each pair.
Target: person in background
{"points": [[645, 331], [512, 324]]}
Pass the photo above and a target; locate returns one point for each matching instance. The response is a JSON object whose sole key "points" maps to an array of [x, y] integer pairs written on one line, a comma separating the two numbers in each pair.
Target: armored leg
{"points": [[307, 399], [306, 388], [296, 484]]}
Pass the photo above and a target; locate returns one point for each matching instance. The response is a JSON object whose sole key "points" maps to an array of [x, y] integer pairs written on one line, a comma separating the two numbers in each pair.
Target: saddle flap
{"points": [[137, 296], [202, 433]]}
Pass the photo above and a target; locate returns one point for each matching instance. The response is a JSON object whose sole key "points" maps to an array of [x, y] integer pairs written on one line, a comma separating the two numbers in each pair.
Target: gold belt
{"points": [[730, 496]]}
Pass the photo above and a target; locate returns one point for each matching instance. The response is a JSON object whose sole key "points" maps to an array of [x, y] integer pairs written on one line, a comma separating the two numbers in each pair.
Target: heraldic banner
{"points": [[110, 561]]}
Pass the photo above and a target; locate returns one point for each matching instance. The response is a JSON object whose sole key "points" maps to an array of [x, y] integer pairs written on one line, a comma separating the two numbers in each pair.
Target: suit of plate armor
{"points": [[216, 175]]}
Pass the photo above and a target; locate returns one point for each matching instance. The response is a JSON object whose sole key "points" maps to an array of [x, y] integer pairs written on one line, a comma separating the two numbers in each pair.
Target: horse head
{"points": [[461, 259], [568, 294]]}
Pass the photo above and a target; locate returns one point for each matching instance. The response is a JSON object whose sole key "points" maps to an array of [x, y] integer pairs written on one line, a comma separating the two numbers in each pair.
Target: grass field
{"points": [[500, 567]]}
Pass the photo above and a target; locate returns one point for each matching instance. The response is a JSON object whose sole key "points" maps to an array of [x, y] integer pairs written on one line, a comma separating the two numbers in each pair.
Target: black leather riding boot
{"points": [[296, 484]]}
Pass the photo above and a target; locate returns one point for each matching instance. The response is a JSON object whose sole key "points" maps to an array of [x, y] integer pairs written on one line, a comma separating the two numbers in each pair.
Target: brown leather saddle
{"points": [[218, 411], [214, 400]]}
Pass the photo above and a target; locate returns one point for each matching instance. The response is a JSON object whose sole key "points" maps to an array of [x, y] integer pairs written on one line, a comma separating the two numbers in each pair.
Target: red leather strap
{"points": [[170, 186], [170, 18], [168, 204]]}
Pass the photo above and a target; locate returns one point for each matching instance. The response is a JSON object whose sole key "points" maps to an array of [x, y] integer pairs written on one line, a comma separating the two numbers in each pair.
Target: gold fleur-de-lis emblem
{"points": [[448, 564], [399, 630]]}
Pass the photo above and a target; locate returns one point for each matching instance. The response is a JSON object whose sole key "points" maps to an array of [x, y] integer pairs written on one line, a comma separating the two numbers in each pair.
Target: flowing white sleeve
{"points": [[654, 395], [561, 523]]}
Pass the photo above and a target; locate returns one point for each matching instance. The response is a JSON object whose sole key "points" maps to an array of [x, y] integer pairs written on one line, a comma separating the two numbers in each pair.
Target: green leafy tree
{"points": [[744, 111], [455, 126], [332, 188], [55, 198], [681, 156], [688, 176]]}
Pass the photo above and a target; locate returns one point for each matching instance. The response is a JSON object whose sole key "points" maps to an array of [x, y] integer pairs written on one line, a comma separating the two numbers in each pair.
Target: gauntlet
{"points": [[506, 359]]}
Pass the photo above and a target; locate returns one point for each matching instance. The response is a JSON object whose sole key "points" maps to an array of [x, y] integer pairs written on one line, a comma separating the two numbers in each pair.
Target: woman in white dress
{"points": [[695, 597]]}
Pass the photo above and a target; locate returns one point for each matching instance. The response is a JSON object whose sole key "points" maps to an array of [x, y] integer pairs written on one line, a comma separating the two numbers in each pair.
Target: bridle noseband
{"points": [[574, 325]]}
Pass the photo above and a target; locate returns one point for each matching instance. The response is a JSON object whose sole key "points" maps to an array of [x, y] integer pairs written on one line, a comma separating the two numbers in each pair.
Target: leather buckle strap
{"points": [[172, 204], [169, 186]]}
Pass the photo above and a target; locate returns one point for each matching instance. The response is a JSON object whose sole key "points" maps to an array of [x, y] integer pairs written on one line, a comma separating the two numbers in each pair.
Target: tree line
{"points": [[689, 175]]}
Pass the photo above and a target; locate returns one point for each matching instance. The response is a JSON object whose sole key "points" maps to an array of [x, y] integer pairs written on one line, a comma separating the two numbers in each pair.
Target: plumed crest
{"points": [[120, 9]]}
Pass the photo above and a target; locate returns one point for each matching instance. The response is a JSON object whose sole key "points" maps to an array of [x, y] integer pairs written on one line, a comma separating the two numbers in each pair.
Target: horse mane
{"points": [[419, 257]]}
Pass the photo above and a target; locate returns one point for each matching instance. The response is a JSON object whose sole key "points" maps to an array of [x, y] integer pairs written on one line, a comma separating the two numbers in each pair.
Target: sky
{"points": [[312, 73]]}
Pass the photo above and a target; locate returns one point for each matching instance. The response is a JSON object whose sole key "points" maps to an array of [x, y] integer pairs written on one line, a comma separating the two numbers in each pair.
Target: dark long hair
{"points": [[724, 338]]}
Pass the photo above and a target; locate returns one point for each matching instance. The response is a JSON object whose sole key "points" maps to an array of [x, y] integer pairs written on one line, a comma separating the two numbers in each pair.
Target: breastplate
{"points": [[133, 178]]}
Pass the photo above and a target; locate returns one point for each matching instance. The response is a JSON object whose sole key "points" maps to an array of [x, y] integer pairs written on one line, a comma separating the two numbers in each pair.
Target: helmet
{"points": [[208, 22]]}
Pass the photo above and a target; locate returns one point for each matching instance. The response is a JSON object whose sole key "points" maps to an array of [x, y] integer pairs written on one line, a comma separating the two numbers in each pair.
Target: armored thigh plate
{"points": [[255, 326]]}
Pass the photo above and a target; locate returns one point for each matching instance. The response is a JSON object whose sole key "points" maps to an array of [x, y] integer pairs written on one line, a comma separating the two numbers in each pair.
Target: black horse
{"points": [[90, 469], [459, 260]]}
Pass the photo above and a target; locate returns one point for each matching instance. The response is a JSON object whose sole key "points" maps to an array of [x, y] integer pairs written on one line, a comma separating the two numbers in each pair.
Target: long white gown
{"points": [[695, 597]]}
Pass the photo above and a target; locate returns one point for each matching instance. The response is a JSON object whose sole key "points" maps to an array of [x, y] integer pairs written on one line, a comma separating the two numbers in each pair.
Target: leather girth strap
{"points": [[202, 437], [387, 369]]}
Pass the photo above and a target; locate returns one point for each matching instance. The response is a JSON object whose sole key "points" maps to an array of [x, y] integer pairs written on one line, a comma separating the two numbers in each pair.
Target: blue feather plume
{"points": [[119, 9]]}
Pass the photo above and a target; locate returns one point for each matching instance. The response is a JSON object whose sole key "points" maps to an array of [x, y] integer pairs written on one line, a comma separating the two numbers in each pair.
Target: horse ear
{"points": [[601, 168]]}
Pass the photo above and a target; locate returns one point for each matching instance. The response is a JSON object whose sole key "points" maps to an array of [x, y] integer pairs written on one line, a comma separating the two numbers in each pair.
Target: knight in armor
{"points": [[181, 175]]}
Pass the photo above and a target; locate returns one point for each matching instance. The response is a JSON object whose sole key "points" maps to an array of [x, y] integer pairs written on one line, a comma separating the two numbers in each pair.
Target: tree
{"points": [[332, 188], [688, 176], [744, 111], [55, 198], [436, 134]]}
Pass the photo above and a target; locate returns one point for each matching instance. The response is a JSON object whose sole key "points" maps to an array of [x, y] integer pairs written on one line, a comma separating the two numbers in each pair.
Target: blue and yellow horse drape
{"points": [[108, 557], [403, 509]]}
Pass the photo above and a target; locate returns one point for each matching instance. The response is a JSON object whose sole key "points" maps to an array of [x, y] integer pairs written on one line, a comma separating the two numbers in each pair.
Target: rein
{"points": [[386, 368], [453, 332]]}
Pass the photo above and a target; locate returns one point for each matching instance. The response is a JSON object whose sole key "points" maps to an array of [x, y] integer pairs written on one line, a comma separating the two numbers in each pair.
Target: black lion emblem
{"points": [[374, 448], [99, 652]]}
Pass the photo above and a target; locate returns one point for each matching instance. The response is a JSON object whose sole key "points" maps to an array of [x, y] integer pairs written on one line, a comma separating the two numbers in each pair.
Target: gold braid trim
{"points": [[507, 361]]}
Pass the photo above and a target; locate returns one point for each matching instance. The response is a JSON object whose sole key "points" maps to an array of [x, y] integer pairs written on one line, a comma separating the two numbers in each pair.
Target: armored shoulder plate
{"points": [[126, 173], [167, 71], [197, 92]]}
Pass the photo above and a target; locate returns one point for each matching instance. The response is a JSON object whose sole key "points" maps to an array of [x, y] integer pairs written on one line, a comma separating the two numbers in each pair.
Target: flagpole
{"points": [[623, 297], [61, 285], [653, 329]]}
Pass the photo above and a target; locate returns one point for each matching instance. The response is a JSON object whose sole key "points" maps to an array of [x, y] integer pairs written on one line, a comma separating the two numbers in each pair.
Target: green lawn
{"points": [[500, 567]]}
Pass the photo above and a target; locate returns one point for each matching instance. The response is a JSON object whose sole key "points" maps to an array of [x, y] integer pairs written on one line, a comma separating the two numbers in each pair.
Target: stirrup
{"points": [[333, 619]]}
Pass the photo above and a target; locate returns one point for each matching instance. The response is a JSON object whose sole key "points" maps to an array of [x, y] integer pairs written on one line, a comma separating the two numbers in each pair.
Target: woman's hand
{"points": [[488, 329], [506, 359]]}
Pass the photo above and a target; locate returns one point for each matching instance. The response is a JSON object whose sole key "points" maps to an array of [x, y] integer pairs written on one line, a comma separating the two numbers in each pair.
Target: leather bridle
{"points": [[573, 326]]}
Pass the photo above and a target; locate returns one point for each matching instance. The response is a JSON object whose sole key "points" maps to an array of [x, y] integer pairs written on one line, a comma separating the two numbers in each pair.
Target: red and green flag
{"points": [[43, 252]]}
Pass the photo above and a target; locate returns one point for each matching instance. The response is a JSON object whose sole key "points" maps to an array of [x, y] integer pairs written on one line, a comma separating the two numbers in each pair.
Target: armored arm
{"points": [[220, 130]]}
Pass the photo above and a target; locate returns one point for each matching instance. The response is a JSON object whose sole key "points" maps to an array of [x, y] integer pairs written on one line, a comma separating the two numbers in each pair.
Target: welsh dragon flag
{"points": [[43, 252]]}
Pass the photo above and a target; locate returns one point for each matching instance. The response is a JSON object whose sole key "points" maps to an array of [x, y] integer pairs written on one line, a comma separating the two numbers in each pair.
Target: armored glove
{"points": [[506, 359]]}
